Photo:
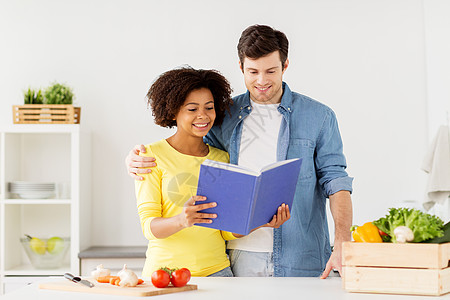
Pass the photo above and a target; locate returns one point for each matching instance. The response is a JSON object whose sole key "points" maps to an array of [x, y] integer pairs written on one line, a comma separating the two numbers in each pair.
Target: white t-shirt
{"points": [[258, 148]]}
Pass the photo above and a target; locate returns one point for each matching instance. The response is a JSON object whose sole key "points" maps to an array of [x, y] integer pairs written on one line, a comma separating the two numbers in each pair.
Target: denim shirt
{"points": [[309, 130]]}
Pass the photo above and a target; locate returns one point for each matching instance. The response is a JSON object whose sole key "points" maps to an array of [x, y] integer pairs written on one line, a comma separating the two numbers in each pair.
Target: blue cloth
{"points": [[223, 273], [251, 264], [309, 130]]}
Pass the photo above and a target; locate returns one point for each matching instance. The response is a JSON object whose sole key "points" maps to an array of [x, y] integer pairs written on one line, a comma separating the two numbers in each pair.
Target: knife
{"points": [[77, 279]]}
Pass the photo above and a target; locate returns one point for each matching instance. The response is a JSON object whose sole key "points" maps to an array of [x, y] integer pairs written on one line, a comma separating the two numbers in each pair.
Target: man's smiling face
{"points": [[264, 77]]}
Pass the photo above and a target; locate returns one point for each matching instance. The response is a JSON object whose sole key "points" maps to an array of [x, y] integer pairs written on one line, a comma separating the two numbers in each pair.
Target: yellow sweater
{"points": [[163, 193]]}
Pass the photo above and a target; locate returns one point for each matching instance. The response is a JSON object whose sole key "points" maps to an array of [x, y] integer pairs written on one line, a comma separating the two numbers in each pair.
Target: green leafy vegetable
{"points": [[423, 225], [443, 239]]}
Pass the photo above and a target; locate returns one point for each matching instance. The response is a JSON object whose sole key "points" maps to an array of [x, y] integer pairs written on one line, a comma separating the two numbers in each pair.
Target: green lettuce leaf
{"points": [[423, 225]]}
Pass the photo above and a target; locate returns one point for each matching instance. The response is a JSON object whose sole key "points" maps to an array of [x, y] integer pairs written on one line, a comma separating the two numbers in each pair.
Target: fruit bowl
{"points": [[46, 253]]}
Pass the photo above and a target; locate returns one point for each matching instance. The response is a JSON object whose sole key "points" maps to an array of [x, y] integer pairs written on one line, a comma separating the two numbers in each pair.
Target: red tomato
{"points": [[160, 278], [187, 272], [180, 277], [382, 233]]}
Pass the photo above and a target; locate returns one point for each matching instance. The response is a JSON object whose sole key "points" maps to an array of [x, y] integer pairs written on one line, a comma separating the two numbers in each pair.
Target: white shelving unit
{"points": [[43, 153]]}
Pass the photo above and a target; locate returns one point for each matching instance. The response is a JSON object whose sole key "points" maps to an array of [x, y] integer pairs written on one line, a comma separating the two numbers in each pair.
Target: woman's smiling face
{"points": [[197, 114]]}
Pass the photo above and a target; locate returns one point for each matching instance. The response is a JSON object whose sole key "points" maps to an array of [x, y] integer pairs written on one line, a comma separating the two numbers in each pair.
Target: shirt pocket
{"points": [[303, 148]]}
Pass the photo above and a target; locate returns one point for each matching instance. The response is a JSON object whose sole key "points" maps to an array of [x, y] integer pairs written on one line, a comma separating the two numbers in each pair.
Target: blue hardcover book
{"points": [[246, 199]]}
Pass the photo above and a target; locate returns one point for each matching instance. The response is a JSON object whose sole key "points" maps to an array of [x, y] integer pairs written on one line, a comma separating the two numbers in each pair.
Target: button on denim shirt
{"points": [[309, 130]]}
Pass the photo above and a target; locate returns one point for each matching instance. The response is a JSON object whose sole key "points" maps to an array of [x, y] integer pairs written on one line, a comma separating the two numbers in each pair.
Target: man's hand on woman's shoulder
{"points": [[137, 164]]}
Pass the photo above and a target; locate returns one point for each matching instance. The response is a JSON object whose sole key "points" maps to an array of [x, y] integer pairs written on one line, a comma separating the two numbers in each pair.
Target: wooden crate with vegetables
{"points": [[406, 252]]}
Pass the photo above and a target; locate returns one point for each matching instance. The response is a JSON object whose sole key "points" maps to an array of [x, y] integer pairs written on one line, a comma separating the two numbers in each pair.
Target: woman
{"points": [[168, 207]]}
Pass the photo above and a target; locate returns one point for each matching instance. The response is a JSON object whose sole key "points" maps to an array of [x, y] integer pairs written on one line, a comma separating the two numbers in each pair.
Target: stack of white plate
{"points": [[32, 190]]}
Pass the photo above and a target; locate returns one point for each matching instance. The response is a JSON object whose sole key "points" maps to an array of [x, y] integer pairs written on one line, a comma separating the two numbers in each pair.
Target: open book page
{"points": [[233, 192], [277, 185], [245, 201], [277, 164], [244, 170], [230, 167]]}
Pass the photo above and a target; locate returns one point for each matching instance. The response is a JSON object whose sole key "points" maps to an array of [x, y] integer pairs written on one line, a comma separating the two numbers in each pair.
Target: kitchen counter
{"points": [[112, 258], [220, 288], [100, 252]]}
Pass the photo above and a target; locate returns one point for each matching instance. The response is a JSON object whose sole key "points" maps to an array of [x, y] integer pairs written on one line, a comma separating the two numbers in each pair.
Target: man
{"points": [[271, 123]]}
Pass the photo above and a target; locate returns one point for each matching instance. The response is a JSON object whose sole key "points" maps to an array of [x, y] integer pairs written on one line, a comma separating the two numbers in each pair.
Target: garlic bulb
{"points": [[100, 271], [127, 277]]}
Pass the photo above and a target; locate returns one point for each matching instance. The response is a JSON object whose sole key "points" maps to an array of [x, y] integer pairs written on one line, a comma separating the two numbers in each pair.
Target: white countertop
{"points": [[220, 288]]}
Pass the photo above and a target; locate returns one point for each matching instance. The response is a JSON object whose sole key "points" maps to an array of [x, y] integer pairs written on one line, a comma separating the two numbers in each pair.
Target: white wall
{"points": [[365, 59], [437, 49]]}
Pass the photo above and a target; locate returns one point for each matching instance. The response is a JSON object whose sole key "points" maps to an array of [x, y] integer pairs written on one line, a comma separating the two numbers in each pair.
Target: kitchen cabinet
{"points": [[48, 153], [113, 258]]}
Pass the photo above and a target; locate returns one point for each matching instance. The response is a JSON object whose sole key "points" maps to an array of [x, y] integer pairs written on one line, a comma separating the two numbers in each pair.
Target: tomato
{"points": [[187, 272], [382, 233], [180, 277], [160, 278]]}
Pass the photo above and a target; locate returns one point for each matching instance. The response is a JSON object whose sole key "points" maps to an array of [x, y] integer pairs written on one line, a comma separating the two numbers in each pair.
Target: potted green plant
{"points": [[40, 106], [58, 94], [33, 97]]}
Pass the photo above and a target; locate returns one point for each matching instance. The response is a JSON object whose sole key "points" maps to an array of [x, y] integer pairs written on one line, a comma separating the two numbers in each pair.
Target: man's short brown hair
{"points": [[168, 93], [260, 40]]}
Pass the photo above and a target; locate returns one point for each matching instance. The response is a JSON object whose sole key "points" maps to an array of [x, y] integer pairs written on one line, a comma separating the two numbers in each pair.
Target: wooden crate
{"points": [[46, 114], [416, 269]]}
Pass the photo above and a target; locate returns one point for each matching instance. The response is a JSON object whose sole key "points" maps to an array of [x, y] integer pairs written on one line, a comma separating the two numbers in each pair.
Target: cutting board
{"points": [[142, 290]]}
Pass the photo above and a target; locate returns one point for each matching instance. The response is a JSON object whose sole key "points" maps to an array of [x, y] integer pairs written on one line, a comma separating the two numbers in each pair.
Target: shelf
{"points": [[37, 201], [41, 128], [43, 153], [29, 270]]}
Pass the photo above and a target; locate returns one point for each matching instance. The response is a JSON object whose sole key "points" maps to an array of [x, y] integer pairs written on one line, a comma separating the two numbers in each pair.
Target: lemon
{"points": [[37, 246], [55, 245]]}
